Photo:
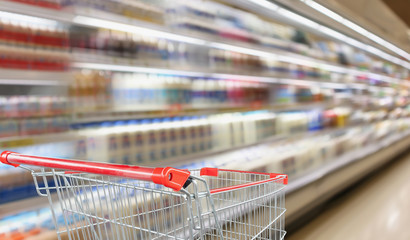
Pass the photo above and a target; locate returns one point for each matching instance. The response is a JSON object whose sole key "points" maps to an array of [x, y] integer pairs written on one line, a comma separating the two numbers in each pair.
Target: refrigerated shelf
{"points": [[100, 19], [97, 19], [310, 191], [343, 161], [21, 141], [278, 10], [210, 74], [34, 78], [29, 204], [129, 113]]}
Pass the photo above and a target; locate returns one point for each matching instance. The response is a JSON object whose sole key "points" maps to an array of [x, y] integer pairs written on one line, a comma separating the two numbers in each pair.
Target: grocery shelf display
{"points": [[187, 84], [293, 156], [172, 140]]}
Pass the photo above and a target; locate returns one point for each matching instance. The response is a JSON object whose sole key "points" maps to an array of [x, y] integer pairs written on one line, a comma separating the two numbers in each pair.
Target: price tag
{"points": [[17, 143], [175, 109], [256, 105]]}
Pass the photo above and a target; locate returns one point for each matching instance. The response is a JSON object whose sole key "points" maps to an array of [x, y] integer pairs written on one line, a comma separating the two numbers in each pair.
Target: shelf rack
{"points": [[34, 78], [21, 141], [97, 19], [106, 115], [274, 11], [343, 161]]}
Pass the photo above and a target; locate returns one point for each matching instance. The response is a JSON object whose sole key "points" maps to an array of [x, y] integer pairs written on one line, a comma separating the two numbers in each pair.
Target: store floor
{"points": [[379, 208]]}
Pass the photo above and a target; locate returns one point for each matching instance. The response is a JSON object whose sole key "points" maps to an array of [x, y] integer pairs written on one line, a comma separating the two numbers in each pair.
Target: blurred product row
{"points": [[50, 45], [196, 76], [212, 18], [164, 141], [49, 41], [93, 90], [104, 91]]}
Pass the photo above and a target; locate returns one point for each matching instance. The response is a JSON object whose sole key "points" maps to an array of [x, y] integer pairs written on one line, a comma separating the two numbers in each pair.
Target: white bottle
{"points": [[198, 88], [194, 134], [210, 89], [182, 136], [187, 91], [102, 144], [122, 145], [271, 123], [162, 91], [139, 80], [221, 132], [169, 88], [182, 55], [135, 145], [249, 129], [164, 146], [171, 54], [260, 127], [117, 89], [125, 140], [304, 160], [274, 165], [202, 134], [153, 140], [133, 91], [288, 159], [328, 149], [144, 142], [147, 97], [207, 133], [237, 129], [129, 86], [155, 91], [174, 140], [221, 93]]}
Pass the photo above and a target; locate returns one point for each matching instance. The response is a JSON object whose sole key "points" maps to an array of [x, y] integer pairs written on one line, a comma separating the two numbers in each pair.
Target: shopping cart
{"points": [[91, 200]]}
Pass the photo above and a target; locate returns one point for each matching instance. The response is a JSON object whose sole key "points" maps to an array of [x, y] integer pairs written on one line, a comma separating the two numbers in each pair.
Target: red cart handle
{"points": [[215, 171], [169, 177]]}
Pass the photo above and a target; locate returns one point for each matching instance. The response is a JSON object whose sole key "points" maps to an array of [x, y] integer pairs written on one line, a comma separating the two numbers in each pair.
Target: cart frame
{"points": [[111, 201]]}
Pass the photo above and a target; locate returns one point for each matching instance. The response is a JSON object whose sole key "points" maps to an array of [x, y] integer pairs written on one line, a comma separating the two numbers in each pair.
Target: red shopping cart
{"points": [[110, 201]]}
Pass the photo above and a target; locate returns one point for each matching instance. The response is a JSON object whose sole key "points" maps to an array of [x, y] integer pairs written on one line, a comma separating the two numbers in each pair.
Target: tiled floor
{"points": [[377, 209]]}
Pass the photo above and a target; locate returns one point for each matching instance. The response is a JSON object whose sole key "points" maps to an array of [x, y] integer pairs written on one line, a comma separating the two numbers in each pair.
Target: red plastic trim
{"points": [[71, 172], [224, 189], [239, 171], [170, 177], [285, 180], [209, 172], [3, 159], [214, 173]]}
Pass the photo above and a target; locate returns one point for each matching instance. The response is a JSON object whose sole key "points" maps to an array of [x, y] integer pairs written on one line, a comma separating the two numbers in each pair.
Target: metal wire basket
{"points": [[110, 201]]}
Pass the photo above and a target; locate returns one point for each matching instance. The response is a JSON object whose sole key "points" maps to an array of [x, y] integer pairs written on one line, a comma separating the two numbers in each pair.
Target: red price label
{"points": [[175, 109]]}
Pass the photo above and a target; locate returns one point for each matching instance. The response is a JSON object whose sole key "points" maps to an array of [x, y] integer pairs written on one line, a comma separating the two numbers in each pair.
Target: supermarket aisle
{"points": [[378, 209]]}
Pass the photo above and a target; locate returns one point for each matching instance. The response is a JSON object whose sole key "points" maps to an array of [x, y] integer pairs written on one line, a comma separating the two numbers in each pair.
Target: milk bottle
{"points": [[193, 134], [154, 141], [236, 128], [221, 129], [249, 129], [164, 146], [173, 144]]}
